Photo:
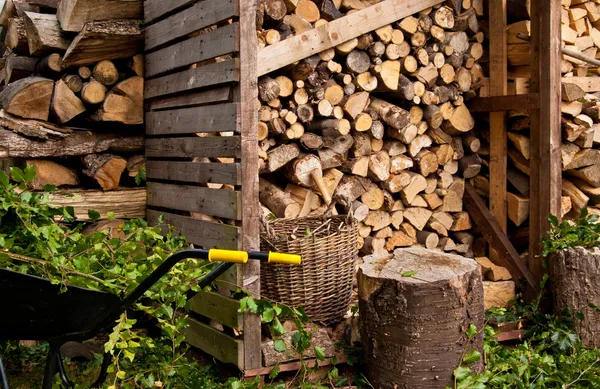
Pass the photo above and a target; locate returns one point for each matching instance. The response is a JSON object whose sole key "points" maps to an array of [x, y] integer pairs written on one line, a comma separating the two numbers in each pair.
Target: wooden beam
{"points": [[336, 32], [495, 236], [546, 173], [223, 347], [498, 134], [247, 95], [504, 103]]}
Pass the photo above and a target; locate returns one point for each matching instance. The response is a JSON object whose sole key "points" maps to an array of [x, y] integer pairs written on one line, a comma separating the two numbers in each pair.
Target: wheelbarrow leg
{"points": [[103, 371], [54, 365], [3, 377]]}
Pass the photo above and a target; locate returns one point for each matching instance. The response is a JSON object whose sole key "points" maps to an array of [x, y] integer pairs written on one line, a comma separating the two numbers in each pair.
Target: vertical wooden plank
{"points": [[498, 135], [248, 93], [546, 179]]}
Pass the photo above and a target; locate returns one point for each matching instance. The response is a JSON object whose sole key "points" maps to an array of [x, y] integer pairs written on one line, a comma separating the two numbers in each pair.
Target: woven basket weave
{"points": [[323, 283]]}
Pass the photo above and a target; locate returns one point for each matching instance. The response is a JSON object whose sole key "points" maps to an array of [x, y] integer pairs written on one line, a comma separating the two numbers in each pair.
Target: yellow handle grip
{"points": [[286, 259], [215, 255]]}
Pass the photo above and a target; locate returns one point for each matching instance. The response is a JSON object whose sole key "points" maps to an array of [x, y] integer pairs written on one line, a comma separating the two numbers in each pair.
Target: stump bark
{"points": [[575, 276], [413, 328]]}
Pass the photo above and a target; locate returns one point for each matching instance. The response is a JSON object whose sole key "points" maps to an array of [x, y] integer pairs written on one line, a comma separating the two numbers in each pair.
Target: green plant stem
{"points": [[24, 258]]}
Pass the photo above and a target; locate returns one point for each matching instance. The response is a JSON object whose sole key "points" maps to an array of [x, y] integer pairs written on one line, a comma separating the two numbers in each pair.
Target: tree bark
{"points": [[413, 328]]}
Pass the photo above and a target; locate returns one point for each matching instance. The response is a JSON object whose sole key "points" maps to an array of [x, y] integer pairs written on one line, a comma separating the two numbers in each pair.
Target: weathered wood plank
{"points": [[181, 24], [217, 307], [196, 172], [498, 133], [336, 32], [213, 202], [74, 14], [199, 232], [218, 344], [211, 147], [248, 95], [203, 76], [211, 118], [492, 232], [212, 44], [125, 203], [154, 9], [546, 173], [218, 95], [504, 103]]}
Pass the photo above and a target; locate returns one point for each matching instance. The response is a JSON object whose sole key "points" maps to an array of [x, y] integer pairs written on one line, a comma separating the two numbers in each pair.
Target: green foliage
{"points": [[140, 177], [41, 240], [583, 231], [552, 357]]}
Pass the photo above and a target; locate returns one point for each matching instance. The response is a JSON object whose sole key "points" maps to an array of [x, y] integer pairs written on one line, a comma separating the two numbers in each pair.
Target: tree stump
{"points": [[415, 307], [575, 276]]}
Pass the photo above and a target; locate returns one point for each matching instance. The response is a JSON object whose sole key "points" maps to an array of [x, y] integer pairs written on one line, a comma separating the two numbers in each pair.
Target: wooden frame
{"points": [[544, 102]]}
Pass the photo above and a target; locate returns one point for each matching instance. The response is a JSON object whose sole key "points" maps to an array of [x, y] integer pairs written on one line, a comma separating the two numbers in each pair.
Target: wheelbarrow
{"points": [[35, 309]]}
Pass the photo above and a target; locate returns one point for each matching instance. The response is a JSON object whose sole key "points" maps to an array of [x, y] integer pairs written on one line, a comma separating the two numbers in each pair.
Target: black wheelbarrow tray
{"points": [[35, 309]]}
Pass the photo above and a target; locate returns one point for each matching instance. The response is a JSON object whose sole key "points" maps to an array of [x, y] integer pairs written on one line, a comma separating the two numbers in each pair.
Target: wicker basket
{"points": [[323, 283]]}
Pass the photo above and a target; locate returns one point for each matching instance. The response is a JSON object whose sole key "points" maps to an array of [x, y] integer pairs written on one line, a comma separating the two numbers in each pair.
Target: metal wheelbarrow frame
{"points": [[35, 309]]}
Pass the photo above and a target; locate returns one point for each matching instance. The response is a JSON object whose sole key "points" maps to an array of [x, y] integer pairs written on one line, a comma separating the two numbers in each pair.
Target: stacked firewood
{"points": [[71, 68], [376, 126], [580, 149]]}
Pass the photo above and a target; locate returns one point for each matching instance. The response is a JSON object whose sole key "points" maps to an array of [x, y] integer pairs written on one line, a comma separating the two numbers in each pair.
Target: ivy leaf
{"points": [[29, 173], [472, 331], [274, 372], [268, 315], [94, 215], [472, 357], [409, 274], [50, 188], [277, 328], [319, 353], [460, 373], [129, 355], [110, 215], [4, 181], [553, 220], [17, 174], [279, 345]]}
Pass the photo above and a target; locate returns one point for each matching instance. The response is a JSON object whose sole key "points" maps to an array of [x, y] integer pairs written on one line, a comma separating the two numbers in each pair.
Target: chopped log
{"points": [[74, 82], [44, 34], [105, 40], [135, 164], [279, 202], [17, 68], [572, 272], [571, 92], [51, 173], [418, 217], [93, 92], [280, 156], [49, 66], [392, 115], [470, 165], [460, 122], [124, 103], [106, 73], [589, 174], [16, 36], [268, 89], [379, 166], [417, 185], [385, 281], [106, 169], [378, 220], [498, 294], [28, 98], [85, 73], [65, 105], [428, 239], [124, 203], [311, 141], [373, 197], [578, 199], [79, 143], [356, 104], [518, 208], [74, 14]]}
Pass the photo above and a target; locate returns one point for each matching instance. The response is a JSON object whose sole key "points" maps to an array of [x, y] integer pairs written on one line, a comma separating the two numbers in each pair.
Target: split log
{"points": [[123, 204], [51, 173], [17, 68], [74, 14], [383, 281], [279, 202], [49, 66], [105, 169], [65, 105], [105, 40], [16, 36], [124, 103], [28, 98], [44, 34]]}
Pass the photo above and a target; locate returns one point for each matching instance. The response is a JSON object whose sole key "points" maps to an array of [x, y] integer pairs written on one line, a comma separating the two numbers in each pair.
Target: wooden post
{"points": [[546, 172], [498, 136], [248, 94]]}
